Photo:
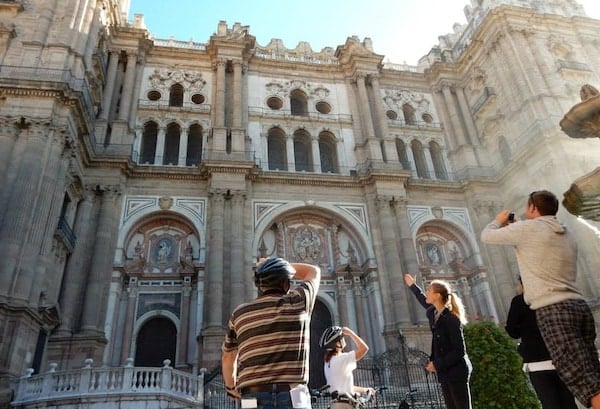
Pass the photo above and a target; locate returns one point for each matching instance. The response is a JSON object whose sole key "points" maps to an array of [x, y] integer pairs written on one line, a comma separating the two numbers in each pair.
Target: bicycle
{"points": [[356, 401], [404, 402]]}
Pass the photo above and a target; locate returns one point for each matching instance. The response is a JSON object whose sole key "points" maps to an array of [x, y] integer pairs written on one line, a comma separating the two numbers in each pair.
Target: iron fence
{"points": [[397, 371]]}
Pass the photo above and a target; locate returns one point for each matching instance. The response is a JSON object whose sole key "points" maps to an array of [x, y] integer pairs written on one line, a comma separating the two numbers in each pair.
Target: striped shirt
{"points": [[272, 337]]}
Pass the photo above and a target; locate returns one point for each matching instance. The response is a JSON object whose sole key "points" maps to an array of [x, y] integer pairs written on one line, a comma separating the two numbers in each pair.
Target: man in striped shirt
{"points": [[266, 347]]}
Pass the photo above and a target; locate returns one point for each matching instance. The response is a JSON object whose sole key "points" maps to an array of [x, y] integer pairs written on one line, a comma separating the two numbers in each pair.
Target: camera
{"points": [[511, 217]]}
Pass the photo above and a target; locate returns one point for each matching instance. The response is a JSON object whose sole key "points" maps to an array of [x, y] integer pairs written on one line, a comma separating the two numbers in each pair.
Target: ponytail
{"points": [[451, 300]]}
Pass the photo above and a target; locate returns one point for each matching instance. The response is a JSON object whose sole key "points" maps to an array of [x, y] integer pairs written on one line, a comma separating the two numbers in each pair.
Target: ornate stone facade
{"points": [[141, 178]]}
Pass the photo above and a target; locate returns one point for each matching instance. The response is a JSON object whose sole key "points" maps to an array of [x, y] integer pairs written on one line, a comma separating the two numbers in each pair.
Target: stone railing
{"points": [[110, 384]]}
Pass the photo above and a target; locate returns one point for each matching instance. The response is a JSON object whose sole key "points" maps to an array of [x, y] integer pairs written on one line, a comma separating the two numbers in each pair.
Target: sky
{"points": [[401, 30]]}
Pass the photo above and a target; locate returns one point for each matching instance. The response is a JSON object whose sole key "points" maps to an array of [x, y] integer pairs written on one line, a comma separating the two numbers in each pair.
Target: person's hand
{"points": [[233, 393], [502, 217], [409, 280], [430, 367]]}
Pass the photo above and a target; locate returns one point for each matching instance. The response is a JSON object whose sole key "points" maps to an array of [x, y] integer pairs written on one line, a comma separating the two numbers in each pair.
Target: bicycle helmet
{"points": [[273, 272], [330, 337]]}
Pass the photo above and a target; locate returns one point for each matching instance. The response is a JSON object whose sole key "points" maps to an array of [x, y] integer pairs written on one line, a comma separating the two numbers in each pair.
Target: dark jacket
{"points": [[521, 323], [448, 352]]}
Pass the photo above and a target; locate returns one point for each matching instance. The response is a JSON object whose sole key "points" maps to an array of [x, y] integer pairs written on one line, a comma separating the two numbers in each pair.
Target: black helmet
{"points": [[330, 337], [273, 272]]}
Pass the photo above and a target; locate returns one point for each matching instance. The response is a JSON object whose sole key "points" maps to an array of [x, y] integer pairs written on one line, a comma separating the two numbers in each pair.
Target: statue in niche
{"points": [[307, 245], [433, 254], [163, 251]]}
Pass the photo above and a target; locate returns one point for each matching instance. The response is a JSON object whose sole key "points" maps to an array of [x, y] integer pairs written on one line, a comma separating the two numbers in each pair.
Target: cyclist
{"points": [[339, 366]]}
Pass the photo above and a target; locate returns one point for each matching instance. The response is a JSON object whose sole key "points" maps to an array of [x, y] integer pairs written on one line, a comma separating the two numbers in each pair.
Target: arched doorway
{"points": [[321, 319], [156, 341]]}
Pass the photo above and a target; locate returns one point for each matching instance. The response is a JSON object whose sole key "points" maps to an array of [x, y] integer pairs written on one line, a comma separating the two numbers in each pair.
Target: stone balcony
{"points": [[110, 387]]}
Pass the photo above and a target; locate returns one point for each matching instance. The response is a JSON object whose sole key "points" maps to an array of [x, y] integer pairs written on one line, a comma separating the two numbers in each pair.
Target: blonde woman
{"points": [[448, 357]]}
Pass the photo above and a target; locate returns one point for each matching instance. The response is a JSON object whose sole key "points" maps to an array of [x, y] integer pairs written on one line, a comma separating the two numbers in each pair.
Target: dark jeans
{"points": [[457, 395], [269, 400], [551, 391]]}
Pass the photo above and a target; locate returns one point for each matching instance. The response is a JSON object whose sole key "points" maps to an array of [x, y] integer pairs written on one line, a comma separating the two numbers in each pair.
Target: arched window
{"points": [[402, 155], [276, 149], [302, 151], [176, 96], [171, 153], [148, 145], [420, 162], [156, 341], [298, 103], [194, 146], [409, 114], [328, 153], [438, 161]]}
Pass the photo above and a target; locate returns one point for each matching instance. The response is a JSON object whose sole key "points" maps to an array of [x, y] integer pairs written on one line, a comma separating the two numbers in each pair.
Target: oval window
{"points": [[154, 95], [392, 115], [323, 107], [274, 103], [198, 99]]}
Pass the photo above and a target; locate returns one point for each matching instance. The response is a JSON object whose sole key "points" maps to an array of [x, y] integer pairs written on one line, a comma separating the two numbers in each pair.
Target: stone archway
{"points": [[156, 341]]}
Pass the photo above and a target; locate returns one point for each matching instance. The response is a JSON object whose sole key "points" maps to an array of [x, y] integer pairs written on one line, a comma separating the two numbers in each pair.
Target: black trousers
{"points": [[457, 395], [551, 390]]}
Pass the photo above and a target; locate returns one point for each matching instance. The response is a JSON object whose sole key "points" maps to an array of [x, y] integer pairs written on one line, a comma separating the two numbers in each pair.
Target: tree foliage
{"points": [[497, 380]]}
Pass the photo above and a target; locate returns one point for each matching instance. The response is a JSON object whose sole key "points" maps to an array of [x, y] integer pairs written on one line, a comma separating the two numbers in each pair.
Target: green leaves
{"points": [[497, 380]]}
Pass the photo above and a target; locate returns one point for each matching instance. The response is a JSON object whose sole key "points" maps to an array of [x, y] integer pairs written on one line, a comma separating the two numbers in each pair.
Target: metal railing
{"points": [[64, 231], [145, 382]]}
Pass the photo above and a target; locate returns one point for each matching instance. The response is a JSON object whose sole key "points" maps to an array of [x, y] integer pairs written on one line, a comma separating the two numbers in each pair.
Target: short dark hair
{"points": [[544, 201]]}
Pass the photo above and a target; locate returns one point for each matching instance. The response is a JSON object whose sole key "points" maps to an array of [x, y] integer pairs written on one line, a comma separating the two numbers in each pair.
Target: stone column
{"points": [[342, 300], [236, 252], [186, 324], [8, 138], [131, 293], [139, 76], [408, 258], [19, 211], [456, 128], [74, 280], [219, 107], [363, 103], [316, 154], [467, 116], [128, 84], [160, 146], [109, 87], [214, 268], [237, 94], [101, 269], [359, 302], [380, 114], [183, 144], [290, 157], [393, 264], [429, 162], [44, 21]]}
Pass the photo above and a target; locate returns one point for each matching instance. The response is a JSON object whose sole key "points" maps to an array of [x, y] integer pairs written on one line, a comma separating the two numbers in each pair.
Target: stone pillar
{"points": [[393, 264], [237, 94], [160, 146], [316, 154], [109, 87], [128, 84], [359, 303], [79, 263], [363, 104], [381, 119], [467, 116], [214, 268], [131, 294], [236, 252], [43, 21], [429, 162], [183, 144], [8, 138], [219, 107], [342, 300], [456, 127], [408, 257], [139, 76], [19, 212], [290, 157], [182, 360], [100, 274]]}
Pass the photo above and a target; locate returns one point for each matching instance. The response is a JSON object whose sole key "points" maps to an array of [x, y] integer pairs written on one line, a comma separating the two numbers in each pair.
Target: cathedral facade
{"points": [[141, 179]]}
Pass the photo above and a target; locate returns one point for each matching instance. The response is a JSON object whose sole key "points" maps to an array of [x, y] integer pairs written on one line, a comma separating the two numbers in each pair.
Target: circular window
{"points": [[154, 95], [427, 118], [323, 107], [392, 115], [274, 103], [198, 99]]}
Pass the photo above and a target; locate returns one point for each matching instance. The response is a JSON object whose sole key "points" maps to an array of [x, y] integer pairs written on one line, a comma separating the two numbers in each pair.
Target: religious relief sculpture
{"points": [[307, 245], [163, 251], [434, 256], [163, 78]]}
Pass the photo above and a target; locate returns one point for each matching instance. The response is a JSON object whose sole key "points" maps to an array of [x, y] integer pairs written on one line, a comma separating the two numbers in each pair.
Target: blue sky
{"points": [[402, 30]]}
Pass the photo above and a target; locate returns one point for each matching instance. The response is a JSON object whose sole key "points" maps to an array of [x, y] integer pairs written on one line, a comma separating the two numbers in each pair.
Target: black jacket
{"points": [[448, 352], [521, 323]]}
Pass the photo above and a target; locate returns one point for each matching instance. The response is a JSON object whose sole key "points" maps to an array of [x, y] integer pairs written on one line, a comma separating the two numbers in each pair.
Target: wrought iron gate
{"points": [[398, 371]]}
